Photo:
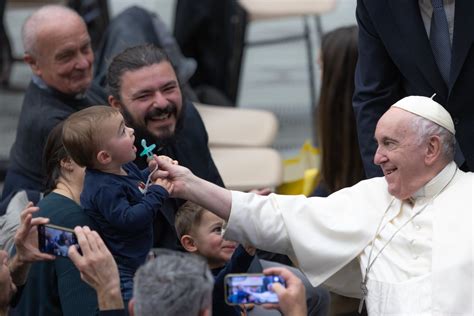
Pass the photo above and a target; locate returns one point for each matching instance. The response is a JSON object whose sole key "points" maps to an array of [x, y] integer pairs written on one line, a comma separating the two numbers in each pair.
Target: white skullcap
{"points": [[427, 108]]}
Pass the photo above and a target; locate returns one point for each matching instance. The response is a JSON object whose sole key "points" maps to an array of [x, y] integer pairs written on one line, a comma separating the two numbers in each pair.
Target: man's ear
{"points": [[131, 305], [103, 157], [433, 150], [113, 102], [33, 63], [188, 243]]}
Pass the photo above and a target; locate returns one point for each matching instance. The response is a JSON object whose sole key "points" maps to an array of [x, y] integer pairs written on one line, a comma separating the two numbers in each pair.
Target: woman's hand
{"points": [[26, 237]]}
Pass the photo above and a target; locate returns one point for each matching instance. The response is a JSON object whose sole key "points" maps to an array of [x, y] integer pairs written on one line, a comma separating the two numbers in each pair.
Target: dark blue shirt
{"points": [[122, 212], [239, 263]]}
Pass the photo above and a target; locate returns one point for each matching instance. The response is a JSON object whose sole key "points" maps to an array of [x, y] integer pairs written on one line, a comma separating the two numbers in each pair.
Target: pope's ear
{"points": [[434, 149]]}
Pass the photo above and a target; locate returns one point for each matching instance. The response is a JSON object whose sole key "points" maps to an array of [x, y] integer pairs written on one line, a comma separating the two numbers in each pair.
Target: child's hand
{"points": [[250, 250], [165, 184], [172, 161]]}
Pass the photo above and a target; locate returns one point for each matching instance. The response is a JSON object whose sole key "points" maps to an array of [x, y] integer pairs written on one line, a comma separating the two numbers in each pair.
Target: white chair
{"points": [[258, 10], [239, 141], [231, 127], [246, 168]]}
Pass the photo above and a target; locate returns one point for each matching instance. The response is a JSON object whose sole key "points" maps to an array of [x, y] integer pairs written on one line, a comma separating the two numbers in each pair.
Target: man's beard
{"points": [[141, 130]]}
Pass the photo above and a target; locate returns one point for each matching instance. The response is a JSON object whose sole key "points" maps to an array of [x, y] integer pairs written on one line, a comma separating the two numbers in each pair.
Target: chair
{"points": [[239, 141], [247, 168], [231, 127], [258, 10]]}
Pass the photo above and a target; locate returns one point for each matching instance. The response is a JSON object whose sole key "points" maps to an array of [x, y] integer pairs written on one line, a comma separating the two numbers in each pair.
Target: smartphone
{"points": [[55, 240], [251, 288]]}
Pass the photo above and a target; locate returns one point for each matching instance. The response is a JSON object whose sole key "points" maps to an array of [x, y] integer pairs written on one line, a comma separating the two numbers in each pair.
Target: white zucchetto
{"points": [[428, 109]]}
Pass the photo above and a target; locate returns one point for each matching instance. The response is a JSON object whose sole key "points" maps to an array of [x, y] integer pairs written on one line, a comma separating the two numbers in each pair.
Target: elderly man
{"points": [[411, 230], [58, 51]]}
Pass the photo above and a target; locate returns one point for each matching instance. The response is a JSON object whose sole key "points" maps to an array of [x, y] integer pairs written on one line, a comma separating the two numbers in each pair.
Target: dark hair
{"points": [[53, 153], [82, 134], [130, 59], [341, 164], [188, 217]]}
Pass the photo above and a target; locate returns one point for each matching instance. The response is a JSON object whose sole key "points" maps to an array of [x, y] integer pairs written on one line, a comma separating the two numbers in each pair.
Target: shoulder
{"points": [[43, 108], [370, 187], [463, 183], [96, 179], [192, 120], [131, 168], [98, 183], [62, 211]]}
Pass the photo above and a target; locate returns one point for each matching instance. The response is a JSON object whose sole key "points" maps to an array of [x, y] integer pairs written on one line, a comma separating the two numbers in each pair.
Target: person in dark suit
{"points": [[397, 58]]}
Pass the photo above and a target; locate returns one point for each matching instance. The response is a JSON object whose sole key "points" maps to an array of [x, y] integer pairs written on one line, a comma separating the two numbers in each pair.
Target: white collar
{"points": [[437, 183]]}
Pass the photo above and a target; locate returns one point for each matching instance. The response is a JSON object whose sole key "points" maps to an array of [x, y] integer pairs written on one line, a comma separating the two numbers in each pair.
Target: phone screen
{"points": [[55, 240], [251, 288]]}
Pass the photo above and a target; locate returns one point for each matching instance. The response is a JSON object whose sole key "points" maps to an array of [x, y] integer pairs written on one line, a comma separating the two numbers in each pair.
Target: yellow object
{"points": [[301, 173]]}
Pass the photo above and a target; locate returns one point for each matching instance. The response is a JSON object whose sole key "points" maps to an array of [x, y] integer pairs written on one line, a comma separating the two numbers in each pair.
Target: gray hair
{"points": [[32, 25], [175, 283], [426, 128]]}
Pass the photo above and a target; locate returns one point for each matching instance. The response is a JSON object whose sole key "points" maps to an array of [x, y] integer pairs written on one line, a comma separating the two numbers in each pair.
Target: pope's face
{"points": [[399, 154], [64, 56], [151, 99]]}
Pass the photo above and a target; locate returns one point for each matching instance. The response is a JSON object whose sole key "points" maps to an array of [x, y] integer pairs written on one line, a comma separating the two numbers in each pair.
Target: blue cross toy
{"points": [[147, 150]]}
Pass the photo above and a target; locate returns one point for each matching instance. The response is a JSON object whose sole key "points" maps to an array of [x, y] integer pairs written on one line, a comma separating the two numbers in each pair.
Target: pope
{"points": [[410, 231]]}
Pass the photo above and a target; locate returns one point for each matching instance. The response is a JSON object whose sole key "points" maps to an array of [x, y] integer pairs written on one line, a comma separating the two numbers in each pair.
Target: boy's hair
{"points": [[82, 131], [189, 216]]}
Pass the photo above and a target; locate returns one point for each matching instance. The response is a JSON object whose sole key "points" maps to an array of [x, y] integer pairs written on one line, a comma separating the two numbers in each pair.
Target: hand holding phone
{"points": [[251, 288], [55, 240], [26, 236], [292, 297]]}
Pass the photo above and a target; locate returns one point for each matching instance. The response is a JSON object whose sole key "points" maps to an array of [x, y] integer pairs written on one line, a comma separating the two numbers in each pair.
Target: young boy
{"points": [[200, 232], [114, 193]]}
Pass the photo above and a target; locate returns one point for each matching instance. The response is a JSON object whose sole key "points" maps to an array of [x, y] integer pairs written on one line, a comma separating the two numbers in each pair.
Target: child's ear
{"points": [[188, 243], [103, 157]]}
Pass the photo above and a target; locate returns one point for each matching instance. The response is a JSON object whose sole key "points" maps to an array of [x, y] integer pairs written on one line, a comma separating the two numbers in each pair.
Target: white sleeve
{"points": [[321, 234]]}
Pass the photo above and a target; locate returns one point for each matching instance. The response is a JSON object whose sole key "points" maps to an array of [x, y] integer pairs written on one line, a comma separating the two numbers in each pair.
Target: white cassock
{"points": [[426, 269]]}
